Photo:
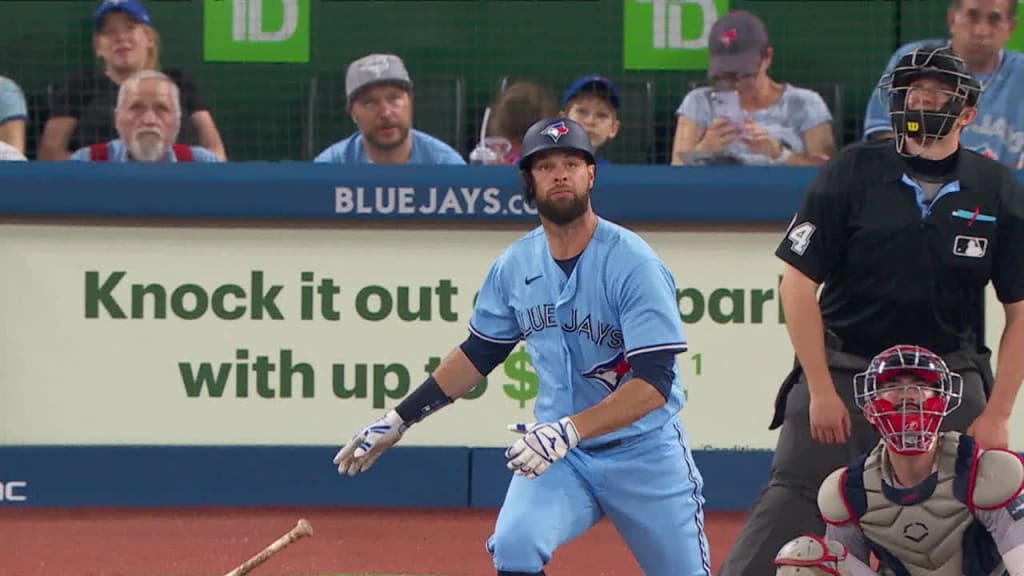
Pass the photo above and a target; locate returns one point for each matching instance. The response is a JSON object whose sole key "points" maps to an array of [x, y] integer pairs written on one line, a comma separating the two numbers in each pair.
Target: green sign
{"points": [[1017, 39], [256, 31], [669, 34]]}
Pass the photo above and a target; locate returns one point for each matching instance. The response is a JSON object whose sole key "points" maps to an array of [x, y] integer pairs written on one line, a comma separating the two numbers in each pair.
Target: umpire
{"points": [[905, 234]]}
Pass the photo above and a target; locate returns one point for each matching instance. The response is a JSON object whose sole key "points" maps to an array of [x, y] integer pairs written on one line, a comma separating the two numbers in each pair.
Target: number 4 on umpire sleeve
{"points": [[800, 236]]}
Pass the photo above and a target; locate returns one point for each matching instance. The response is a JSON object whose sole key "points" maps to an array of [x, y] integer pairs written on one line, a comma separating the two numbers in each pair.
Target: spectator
{"points": [[380, 100], [774, 123], [13, 114], [148, 118], [978, 30], [82, 108], [593, 102], [518, 107]]}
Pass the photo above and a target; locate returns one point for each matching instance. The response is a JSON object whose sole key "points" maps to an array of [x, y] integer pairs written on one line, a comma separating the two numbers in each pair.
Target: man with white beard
{"points": [[147, 118]]}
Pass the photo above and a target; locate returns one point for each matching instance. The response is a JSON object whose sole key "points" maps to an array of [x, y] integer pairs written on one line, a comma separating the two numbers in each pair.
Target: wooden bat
{"points": [[301, 529]]}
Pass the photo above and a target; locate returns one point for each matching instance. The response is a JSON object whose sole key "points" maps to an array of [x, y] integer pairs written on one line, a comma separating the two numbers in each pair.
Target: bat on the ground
{"points": [[301, 529]]}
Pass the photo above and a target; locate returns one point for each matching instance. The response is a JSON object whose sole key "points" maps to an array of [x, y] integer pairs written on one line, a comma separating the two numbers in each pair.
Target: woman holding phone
{"points": [[745, 116]]}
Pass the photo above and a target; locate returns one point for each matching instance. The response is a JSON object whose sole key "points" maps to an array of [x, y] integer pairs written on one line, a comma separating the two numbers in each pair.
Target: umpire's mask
{"points": [[960, 90]]}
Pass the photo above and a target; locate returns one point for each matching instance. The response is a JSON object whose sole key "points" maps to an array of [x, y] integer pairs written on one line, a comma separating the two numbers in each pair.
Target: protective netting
{"points": [[460, 53]]}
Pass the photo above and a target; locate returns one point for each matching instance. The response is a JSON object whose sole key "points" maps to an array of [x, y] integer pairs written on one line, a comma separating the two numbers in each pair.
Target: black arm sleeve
{"points": [[657, 368], [485, 355]]}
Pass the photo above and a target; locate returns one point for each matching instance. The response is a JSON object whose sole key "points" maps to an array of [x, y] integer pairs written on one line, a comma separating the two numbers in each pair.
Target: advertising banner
{"points": [[206, 336]]}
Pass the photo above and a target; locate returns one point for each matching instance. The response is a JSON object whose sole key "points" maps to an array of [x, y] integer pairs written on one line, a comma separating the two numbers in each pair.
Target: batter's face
{"points": [[562, 180], [383, 114]]}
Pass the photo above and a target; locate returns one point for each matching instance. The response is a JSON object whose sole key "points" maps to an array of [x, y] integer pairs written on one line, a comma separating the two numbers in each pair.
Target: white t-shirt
{"points": [[9, 153], [796, 111]]}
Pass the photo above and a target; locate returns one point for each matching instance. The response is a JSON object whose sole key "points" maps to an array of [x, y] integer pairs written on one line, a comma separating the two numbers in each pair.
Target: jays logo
{"points": [[555, 131], [612, 373]]}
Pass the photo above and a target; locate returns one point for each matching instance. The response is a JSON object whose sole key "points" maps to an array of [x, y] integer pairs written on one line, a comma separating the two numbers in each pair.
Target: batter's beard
{"points": [[563, 212]]}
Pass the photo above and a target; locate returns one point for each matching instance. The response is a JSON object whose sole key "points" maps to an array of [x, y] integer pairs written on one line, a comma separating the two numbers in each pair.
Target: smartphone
{"points": [[726, 103]]}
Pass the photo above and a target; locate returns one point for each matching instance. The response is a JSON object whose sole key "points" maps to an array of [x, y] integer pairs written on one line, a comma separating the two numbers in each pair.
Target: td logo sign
{"points": [[668, 34], [256, 31]]}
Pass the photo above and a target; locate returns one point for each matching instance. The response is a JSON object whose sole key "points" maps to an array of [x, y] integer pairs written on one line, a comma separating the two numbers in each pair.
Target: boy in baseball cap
{"points": [[593, 102]]}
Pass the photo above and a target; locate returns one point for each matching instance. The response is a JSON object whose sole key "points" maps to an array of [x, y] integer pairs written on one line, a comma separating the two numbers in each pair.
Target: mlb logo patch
{"points": [[555, 131], [970, 246]]}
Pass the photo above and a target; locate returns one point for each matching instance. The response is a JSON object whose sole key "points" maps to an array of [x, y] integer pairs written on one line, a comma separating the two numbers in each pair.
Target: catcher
{"points": [[923, 502]]}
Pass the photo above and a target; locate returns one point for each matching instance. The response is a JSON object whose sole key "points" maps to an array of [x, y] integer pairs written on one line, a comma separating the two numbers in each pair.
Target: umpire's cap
{"points": [[554, 134]]}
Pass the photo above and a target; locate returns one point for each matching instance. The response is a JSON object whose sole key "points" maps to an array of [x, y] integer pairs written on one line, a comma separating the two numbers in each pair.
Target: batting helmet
{"points": [[551, 134], [936, 62]]}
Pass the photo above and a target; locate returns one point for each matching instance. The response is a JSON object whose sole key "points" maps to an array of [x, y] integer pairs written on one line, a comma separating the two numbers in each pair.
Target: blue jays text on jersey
{"points": [[542, 317], [581, 330]]}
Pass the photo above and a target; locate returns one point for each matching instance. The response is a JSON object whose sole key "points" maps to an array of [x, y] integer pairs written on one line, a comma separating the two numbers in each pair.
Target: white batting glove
{"points": [[365, 447], [541, 446]]}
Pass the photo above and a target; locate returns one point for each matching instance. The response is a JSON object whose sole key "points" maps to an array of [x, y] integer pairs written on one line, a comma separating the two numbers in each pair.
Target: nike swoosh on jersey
{"points": [[530, 280]]}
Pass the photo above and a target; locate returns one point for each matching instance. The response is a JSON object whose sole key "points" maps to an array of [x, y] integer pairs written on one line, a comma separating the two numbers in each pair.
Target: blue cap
{"points": [[597, 83], [132, 7]]}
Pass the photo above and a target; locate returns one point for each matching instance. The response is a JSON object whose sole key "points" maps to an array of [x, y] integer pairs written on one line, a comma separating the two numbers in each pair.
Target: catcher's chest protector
{"points": [[922, 531]]}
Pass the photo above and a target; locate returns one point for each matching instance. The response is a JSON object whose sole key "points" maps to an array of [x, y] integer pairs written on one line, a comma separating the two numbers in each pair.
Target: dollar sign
{"points": [[519, 368]]}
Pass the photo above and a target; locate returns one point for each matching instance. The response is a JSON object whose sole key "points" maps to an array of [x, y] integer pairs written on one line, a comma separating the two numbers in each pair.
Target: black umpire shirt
{"points": [[898, 268]]}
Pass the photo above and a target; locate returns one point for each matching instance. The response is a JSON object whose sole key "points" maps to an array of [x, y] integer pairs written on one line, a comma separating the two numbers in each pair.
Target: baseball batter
{"points": [[926, 503], [597, 311]]}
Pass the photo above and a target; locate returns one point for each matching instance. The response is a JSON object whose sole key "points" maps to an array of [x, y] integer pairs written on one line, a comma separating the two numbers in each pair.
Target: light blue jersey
{"points": [[580, 331], [425, 150], [998, 131], [12, 101]]}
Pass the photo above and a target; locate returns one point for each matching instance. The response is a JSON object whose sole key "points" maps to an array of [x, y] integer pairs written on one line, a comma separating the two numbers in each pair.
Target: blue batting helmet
{"points": [[554, 134]]}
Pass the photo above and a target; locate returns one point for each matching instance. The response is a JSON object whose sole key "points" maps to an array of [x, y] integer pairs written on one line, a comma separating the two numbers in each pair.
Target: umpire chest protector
{"points": [[929, 529]]}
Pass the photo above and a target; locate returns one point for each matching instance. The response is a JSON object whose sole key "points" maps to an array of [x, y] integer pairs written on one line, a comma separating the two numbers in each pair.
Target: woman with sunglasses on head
{"points": [[746, 117]]}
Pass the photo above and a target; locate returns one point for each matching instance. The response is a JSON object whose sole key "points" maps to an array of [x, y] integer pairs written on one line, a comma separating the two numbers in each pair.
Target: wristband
{"points": [[423, 401]]}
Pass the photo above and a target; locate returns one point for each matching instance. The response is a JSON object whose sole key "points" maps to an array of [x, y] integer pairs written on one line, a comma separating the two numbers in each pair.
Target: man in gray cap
{"points": [[379, 93]]}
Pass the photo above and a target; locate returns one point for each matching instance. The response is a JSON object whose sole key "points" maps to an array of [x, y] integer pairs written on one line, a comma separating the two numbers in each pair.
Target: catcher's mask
{"points": [[960, 89], [905, 393]]}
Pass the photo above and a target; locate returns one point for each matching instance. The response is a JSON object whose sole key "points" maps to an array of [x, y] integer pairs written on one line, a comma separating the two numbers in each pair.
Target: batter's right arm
{"points": [[830, 419]]}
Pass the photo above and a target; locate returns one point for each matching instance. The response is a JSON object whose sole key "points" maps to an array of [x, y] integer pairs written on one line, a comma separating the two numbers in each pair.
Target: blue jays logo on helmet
{"points": [[612, 373], [555, 131]]}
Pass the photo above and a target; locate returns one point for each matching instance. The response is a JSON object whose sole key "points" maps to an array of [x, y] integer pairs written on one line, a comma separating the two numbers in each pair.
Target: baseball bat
{"points": [[300, 530]]}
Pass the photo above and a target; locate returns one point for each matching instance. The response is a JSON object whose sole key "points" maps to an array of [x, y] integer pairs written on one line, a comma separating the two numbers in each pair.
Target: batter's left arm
{"points": [[629, 403], [653, 335]]}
